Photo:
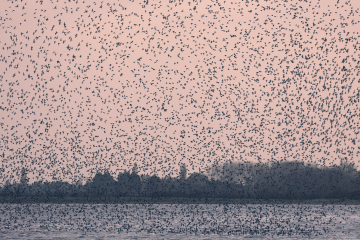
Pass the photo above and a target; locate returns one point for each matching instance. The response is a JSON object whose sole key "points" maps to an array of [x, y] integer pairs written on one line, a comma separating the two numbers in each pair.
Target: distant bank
{"points": [[171, 200]]}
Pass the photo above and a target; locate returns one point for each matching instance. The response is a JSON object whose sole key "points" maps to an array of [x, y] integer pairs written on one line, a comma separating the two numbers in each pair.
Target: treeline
{"points": [[291, 180], [281, 180]]}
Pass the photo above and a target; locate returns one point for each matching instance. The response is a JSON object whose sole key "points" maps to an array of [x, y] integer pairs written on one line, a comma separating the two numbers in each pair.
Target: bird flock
{"points": [[106, 84]]}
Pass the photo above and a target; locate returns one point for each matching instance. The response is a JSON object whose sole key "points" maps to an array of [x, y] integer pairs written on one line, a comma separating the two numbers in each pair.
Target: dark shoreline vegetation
{"points": [[171, 200], [238, 183]]}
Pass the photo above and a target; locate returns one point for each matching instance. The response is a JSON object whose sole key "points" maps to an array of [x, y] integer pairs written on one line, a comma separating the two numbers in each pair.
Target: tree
{"points": [[24, 179], [103, 184], [123, 181], [134, 169], [182, 173], [154, 187], [198, 185]]}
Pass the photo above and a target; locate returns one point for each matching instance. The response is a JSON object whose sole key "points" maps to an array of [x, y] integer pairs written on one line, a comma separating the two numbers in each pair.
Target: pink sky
{"points": [[102, 85]]}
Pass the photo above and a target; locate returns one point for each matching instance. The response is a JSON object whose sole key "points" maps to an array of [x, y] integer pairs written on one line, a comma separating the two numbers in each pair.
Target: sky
{"points": [[89, 86]]}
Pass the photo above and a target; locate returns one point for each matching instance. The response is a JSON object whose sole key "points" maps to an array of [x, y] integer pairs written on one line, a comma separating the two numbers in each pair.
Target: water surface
{"points": [[178, 221]]}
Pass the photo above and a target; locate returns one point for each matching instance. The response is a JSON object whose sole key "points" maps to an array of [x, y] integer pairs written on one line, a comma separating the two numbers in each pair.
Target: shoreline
{"points": [[171, 200]]}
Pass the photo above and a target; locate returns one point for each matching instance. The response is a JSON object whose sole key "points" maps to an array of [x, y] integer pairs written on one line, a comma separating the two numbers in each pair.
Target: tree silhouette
{"points": [[123, 184], [102, 184], [182, 173], [154, 188], [197, 185], [24, 179], [134, 182], [278, 180], [134, 169]]}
